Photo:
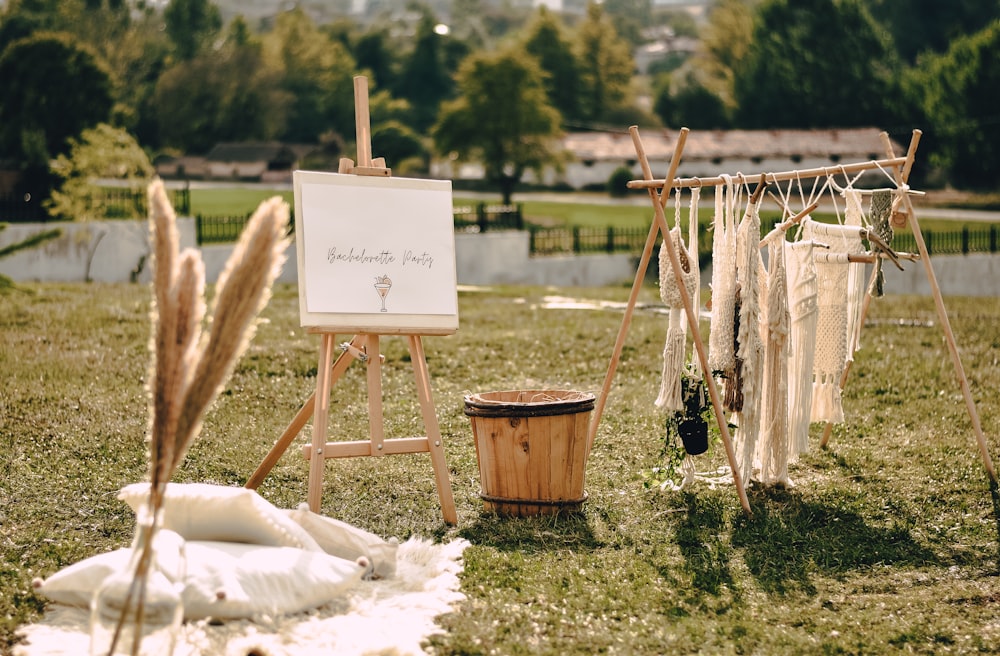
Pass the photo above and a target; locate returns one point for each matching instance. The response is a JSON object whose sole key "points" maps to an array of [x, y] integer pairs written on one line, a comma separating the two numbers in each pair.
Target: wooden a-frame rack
{"points": [[900, 166], [363, 347]]}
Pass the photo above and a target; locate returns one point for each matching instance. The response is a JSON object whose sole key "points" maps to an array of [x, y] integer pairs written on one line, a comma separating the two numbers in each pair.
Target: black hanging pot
{"points": [[694, 435], [691, 424]]}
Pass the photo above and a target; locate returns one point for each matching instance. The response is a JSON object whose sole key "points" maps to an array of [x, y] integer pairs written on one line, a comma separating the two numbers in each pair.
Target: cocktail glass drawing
{"points": [[382, 285]]}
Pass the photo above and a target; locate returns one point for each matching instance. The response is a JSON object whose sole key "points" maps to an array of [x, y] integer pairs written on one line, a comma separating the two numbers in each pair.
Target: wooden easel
{"points": [[901, 167], [364, 347]]}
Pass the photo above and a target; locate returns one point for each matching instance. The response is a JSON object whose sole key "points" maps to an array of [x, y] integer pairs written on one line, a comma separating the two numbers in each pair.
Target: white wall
{"points": [[118, 251]]}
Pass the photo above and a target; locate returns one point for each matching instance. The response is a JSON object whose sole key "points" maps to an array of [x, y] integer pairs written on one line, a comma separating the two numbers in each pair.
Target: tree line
{"points": [[98, 88]]}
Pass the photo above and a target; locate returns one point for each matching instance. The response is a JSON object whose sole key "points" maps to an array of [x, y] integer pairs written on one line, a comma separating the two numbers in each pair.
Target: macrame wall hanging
{"points": [[750, 288], [670, 397], [839, 305], [817, 323], [773, 445], [722, 335], [803, 306]]}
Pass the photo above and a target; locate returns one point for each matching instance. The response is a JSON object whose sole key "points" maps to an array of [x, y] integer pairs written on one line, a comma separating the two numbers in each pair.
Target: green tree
{"points": [[316, 72], [606, 67], [501, 118], [373, 54], [681, 100], [53, 89], [546, 41], [958, 91], [630, 18], [425, 80], [191, 25], [919, 26], [234, 94], [816, 63], [101, 152], [722, 48]]}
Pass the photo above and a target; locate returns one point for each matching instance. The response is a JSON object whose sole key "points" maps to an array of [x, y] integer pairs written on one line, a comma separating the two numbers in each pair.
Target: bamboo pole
{"points": [[956, 360], [660, 226], [781, 176], [692, 317], [647, 252]]}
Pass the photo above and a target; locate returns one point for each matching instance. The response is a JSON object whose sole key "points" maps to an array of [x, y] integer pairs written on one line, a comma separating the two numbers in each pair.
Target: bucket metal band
{"points": [[474, 409], [533, 502]]}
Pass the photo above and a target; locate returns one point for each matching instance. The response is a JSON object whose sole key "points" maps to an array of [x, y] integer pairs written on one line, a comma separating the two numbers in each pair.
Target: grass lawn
{"points": [[888, 542]]}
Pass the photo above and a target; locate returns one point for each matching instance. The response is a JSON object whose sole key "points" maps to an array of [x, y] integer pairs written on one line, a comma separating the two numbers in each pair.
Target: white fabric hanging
{"points": [[839, 305], [803, 313], [750, 347], [854, 216], [721, 354], [772, 446]]}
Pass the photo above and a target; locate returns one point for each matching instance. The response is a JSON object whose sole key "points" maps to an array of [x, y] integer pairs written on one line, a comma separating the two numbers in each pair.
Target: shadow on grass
{"points": [[566, 530], [703, 542], [788, 537]]}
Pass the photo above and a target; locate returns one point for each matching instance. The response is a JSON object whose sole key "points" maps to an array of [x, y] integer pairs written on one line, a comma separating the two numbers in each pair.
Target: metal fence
{"points": [[484, 217], [577, 240], [588, 240]]}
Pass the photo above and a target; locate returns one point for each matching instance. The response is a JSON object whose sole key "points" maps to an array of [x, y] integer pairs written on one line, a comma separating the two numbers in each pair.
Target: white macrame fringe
{"points": [[721, 356], [673, 365]]}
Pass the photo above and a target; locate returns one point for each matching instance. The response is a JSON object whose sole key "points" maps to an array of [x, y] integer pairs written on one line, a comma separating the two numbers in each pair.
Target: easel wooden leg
{"points": [[317, 460], [435, 444], [376, 420], [299, 421]]}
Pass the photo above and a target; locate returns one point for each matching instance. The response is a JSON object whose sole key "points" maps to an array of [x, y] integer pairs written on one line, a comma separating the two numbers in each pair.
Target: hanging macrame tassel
{"points": [[721, 356], [773, 447], [674, 348], [750, 352], [880, 215], [673, 364]]}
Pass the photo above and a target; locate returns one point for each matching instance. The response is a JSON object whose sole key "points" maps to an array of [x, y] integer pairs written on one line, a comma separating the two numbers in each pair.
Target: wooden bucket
{"points": [[532, 449]]}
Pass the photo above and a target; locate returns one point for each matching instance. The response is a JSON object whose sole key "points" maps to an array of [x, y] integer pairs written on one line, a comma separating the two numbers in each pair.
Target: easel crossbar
{"points": [[781, 176]]}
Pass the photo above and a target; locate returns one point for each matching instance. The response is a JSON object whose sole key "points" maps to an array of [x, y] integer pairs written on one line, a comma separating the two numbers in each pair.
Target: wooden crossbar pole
{"points": [[781, 176]]}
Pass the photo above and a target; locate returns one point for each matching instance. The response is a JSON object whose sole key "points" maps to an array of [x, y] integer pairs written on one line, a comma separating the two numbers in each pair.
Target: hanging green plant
{"points": [[686, 432]]}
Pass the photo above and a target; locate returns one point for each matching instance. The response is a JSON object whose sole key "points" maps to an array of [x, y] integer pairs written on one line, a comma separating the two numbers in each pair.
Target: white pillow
{"points": [[341, 539], [201, 511], [226, 580], [229, 580], [75, 585]]}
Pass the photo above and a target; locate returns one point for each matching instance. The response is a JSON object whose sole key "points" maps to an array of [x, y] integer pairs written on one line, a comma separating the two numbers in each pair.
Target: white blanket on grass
{"points": [[390, 616]]}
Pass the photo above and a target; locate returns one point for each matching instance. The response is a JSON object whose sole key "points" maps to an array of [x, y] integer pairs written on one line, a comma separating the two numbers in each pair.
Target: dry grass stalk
{"points": [[188, 367]]}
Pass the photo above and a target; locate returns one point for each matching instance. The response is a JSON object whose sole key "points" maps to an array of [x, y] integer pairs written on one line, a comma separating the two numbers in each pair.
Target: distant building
{"points": [[255, 161], [594, 156]]}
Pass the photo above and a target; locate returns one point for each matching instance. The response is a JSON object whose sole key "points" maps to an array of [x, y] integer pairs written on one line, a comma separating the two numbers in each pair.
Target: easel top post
{"points": [[362, 121], [363, 136]]}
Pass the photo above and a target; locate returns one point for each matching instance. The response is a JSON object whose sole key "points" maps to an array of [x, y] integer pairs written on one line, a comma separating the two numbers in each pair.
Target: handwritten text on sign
{"points": [[371, 248]]}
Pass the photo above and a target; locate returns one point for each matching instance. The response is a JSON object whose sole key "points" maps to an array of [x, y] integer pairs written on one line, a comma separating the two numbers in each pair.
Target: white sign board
{"points": [[375, 254]]}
